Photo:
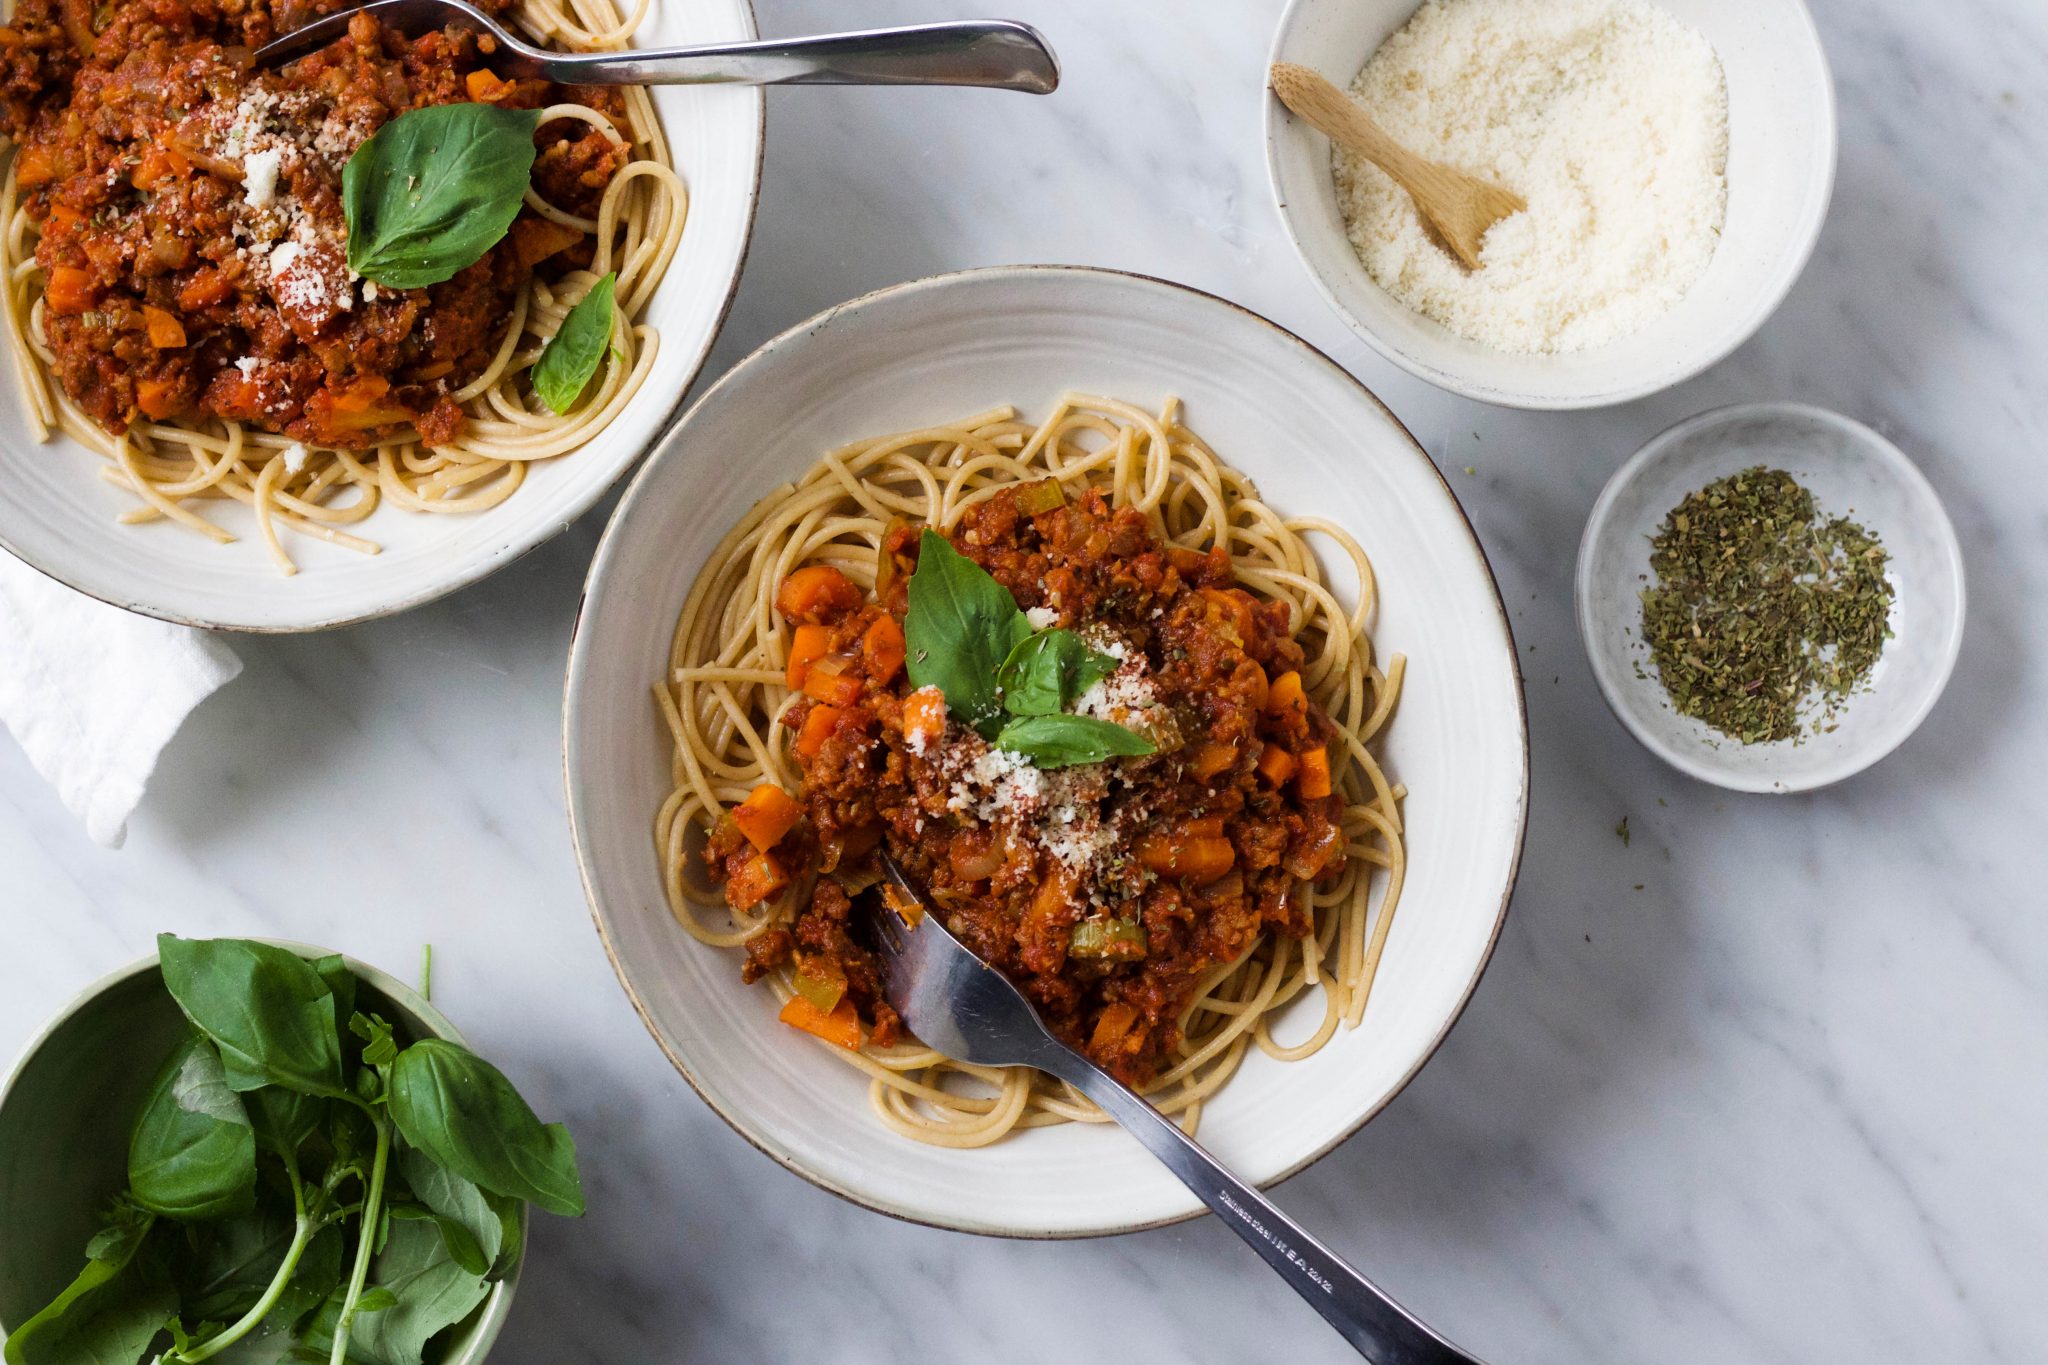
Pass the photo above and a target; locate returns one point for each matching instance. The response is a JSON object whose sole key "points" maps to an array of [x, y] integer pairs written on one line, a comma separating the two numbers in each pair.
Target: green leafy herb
{"points": [[268, 1010], [193, 1153], [1046, 671], [572, 357], [111, 1312], [461, 1111], [1062, 741], [274, 1209], [1762, 604], [960, 627], [434, 189]]}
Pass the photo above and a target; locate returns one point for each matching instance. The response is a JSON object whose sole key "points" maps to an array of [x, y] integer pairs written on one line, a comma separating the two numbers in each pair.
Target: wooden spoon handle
{"points": [[1334, 114]]}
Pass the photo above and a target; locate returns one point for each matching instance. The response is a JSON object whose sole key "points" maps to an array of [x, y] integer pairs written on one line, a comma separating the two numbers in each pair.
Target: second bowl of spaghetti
{"points": [[300, 345], [1145, 638]]}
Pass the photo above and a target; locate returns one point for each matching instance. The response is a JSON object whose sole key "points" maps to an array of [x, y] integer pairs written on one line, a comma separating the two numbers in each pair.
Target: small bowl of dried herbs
{"points": [[1771, 597], [241, 1150]]}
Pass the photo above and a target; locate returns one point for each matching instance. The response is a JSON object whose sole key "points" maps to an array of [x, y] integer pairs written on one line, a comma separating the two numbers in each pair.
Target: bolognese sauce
{"points": [[192, 231], [1107, 891]]}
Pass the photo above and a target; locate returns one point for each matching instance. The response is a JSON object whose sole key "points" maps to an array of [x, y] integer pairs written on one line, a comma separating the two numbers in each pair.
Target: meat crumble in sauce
{"points": [[1106, 892], [192, 235]]}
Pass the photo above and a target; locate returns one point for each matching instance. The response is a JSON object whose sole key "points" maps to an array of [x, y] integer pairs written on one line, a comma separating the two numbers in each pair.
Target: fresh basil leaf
{"points": [[960, 627], [434, 189], [572, 357], [429, 1294], [267, 1009], [282, 1119], [469, 1225], [511, 1215], [460, 1110], [341, 984], [192, 1154], [1062, 741], [376, 1300], [380, 1048], [109, 1314], [228, 1268], [1046, 671]]}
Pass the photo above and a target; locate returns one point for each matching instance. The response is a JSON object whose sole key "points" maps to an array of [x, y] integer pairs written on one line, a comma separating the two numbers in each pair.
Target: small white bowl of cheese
{"points": [[1592, 195]]}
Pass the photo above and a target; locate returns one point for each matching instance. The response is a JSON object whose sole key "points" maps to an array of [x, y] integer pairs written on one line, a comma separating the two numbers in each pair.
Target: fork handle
{"points": [[1378, 1328], [990, 53]]}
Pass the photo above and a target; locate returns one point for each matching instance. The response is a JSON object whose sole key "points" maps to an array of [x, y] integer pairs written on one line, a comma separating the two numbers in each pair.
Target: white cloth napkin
{"points": [[93, 693]]}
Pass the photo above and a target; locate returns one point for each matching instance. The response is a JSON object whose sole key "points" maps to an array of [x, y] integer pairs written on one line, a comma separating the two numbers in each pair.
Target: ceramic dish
{"points": [[1853, 472], [70, 1100], [1314, 440], [57, 514], [1781, 170]]}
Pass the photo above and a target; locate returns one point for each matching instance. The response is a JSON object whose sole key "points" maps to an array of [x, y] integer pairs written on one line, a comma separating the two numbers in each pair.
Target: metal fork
{"points": [[993, 53], [960, 1006]]}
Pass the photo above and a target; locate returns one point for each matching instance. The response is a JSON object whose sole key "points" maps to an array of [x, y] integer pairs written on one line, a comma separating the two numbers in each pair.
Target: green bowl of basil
{"points": [[147, 1203]]}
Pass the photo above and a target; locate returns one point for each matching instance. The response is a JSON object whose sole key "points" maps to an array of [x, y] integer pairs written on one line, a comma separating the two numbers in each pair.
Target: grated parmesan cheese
{"points": [[259, 177], [1609, 116], [1042, 618], [295, 456]]}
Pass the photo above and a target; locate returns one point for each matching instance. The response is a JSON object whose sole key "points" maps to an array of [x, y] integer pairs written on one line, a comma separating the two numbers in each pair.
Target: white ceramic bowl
{"points": [[1853, 472], [57, 514], [1315, 441], [1781, 170]]}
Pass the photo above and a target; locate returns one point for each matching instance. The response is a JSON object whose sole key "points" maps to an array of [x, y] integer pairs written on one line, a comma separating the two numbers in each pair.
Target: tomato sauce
{"points": [[1106, 892], [192, 233]]}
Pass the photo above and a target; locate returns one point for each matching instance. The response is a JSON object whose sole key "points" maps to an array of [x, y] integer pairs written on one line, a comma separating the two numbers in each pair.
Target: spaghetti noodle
{"points": [[176, 465], [727, 696]]}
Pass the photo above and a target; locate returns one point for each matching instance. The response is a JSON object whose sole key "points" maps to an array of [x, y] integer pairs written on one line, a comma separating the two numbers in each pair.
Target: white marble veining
{"points": [[1783, 1102]]}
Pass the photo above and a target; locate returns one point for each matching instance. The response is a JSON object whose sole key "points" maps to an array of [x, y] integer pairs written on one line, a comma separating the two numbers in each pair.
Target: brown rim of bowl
{"points": [[570, 514], [583, 869]]}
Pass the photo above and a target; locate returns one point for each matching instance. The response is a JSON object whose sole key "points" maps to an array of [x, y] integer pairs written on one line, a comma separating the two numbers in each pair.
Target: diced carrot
{"points": [[758, 878], [1209, 759], [166, 333], [158, 164], [206, 288], [817, 728], [484, 86], [841, 1026], [1276, 765], [882, 648], [70, 291], [1230, 608], [1112, 1024], [1208, 826], [360, 393], [1188, 856], [35, 165], [158, 399], [815, 592], [1286, 697], [766, 815], [61, 218], [1313, 780], [810, 644], [924, 717], [832, 679]]}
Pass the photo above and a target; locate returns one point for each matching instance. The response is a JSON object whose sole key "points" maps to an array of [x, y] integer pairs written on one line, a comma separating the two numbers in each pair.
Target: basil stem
{"points": [[302, 1233], [366, 1241]]}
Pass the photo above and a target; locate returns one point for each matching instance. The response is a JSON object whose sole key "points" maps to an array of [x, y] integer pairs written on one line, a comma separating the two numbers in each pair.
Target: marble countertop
{"points": [[1765, 1083]]}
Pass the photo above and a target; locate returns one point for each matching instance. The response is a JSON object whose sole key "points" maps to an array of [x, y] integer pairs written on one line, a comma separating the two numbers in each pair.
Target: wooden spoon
{"points": [[1459, 207]]}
